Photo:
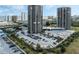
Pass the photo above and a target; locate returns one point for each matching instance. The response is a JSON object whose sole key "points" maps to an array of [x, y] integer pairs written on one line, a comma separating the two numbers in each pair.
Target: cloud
{"points": [[18, 7], [12, 9], [49, 10], [49, 6]]}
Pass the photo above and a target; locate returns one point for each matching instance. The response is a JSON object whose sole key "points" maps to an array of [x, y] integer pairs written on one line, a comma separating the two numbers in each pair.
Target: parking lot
{"points": [[46, 40], [6, 46]]}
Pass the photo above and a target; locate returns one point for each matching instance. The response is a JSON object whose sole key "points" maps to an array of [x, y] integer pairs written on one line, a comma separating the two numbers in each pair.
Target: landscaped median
{"points": [[27, 48]]}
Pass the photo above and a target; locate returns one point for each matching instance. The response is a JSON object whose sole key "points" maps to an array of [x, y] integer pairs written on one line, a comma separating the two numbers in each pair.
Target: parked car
{"points": [[12, 45]]}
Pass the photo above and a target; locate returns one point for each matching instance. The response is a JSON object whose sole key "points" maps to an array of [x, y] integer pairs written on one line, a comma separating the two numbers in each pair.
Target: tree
{"points": [[38, 48], [44, 51], [47, 23], [75, 24], [63, 49]]}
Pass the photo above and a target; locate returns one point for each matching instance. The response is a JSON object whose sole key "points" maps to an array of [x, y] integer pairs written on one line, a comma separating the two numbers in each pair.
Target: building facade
{"points": [[23, 16], [14, 19], [64, 17], [35, 14]]}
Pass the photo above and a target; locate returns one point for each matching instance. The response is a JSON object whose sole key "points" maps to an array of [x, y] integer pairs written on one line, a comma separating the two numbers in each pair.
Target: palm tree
{"points": [[38, 48]]}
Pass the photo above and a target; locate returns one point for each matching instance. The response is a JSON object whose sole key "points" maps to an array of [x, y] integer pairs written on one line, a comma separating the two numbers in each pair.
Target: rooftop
{"points": [[49, 39], [4, 23], [53, 28]]}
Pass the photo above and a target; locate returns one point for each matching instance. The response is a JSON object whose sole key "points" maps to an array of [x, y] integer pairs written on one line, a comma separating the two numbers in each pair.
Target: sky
{"points": [[48, 10]]}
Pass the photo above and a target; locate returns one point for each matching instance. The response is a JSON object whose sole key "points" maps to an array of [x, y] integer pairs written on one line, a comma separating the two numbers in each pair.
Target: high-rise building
{"points": [[7, 18], [35, 14], [50, 17], [14, 19], [2, 18], [64, 17], [23, 16]]}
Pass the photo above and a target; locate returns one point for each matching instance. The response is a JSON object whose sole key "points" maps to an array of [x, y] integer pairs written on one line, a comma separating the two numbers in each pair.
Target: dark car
{"points": [[11, 45], [16, 50]]}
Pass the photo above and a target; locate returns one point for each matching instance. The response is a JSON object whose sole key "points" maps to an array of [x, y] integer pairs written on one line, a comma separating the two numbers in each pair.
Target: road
{"points": [[17, 46]]}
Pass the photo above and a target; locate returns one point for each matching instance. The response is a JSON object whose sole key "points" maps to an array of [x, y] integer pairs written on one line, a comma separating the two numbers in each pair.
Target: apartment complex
{"points": [[35, 14], [64, 17]]}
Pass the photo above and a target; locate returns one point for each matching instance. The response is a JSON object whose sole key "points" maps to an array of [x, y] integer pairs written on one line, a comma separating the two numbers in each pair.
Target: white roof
{"points": [[48, 41], [7, 23], [61, 33], [52, 28]]}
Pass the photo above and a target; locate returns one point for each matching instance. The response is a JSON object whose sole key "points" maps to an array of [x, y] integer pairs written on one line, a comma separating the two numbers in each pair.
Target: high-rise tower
{"points": [[64, 17], [35, 14]]}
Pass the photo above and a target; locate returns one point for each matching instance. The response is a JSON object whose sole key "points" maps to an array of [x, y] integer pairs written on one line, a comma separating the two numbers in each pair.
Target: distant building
{"points": [[75, 18], [8, 18], [45, 19], [14, 19], [2, 18], [23, 16], [50, 17], [64, 17], [35, 14]]}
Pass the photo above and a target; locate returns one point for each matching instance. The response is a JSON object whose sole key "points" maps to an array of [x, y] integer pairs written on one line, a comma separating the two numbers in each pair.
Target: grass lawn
{"points": [[74, 46], [75, 28]]}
